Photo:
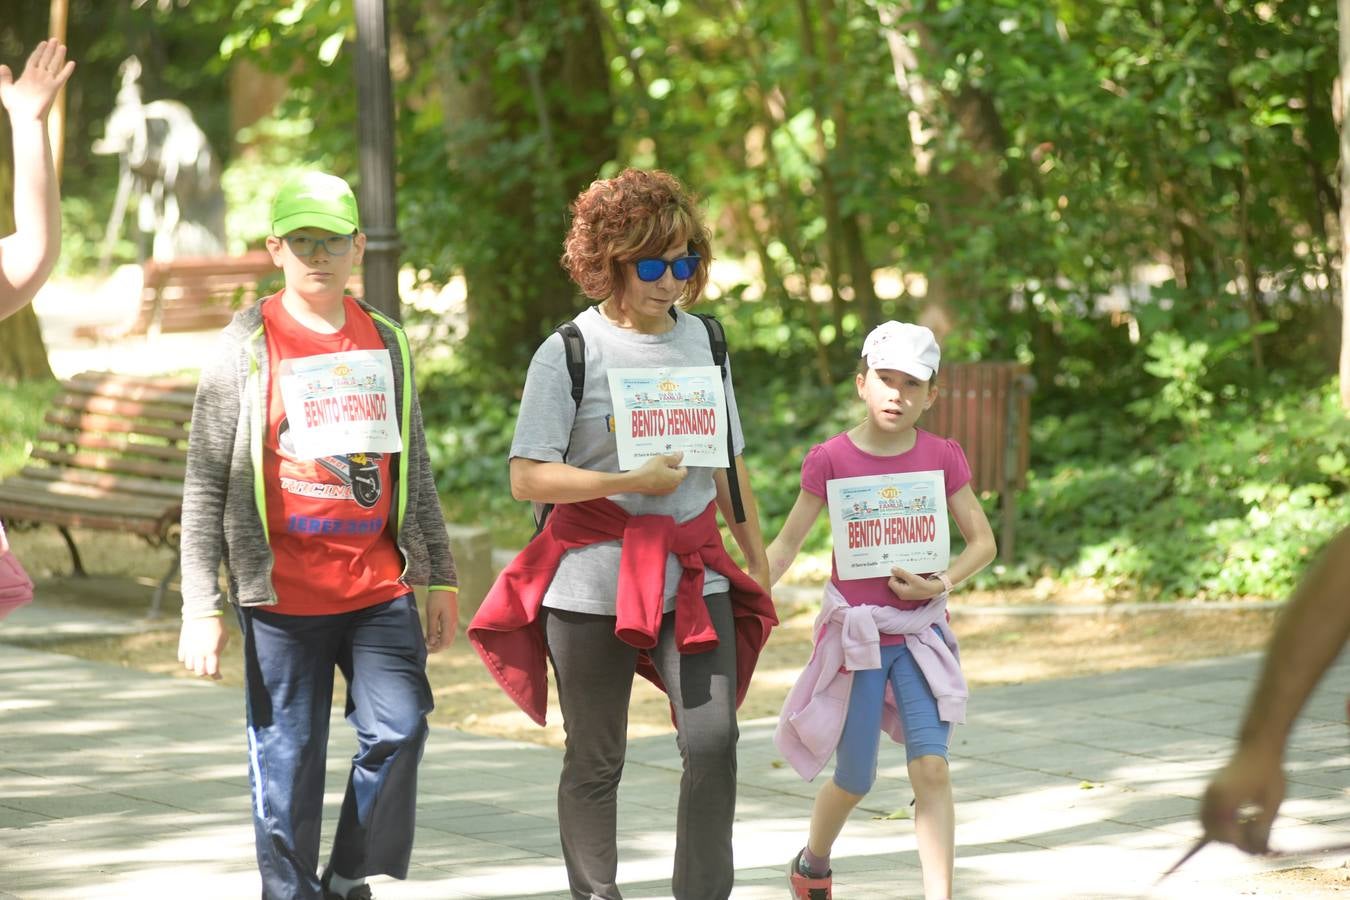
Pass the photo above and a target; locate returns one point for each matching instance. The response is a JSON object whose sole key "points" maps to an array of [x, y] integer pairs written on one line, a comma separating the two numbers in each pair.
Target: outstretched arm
{"points": [[28, 255], [1244, 797], [783, 550]]}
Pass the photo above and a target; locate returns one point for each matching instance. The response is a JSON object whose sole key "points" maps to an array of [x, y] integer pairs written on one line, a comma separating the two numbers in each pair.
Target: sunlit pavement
{"points": [[117, 783]]}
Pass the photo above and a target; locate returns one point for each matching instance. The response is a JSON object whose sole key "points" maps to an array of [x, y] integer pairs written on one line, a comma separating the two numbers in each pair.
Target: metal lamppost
{"points": [[375, 130]]}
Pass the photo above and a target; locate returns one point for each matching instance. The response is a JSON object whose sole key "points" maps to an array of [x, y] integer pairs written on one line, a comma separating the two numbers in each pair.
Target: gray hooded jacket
{"points": [[224, 501]]}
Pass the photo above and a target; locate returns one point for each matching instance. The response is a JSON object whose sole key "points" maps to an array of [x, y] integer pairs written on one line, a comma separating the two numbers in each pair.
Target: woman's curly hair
{"points": [[634, 215]]}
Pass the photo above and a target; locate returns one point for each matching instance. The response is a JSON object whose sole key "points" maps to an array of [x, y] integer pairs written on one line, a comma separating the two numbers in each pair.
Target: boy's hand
{"points": [[661, 475], [441, 610], [31, 97], [908, 586], [200, 643]]}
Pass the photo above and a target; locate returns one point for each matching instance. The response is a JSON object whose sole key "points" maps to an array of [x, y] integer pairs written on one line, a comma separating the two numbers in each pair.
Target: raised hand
{"points": [[31, 97]]}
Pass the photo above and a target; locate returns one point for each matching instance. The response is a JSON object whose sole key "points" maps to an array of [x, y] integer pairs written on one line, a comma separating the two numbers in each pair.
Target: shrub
{"points": [[1232, 509]]}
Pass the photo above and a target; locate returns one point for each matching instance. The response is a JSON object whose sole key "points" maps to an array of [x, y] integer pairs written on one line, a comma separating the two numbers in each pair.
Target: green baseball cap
{"points": [[315, 200]]}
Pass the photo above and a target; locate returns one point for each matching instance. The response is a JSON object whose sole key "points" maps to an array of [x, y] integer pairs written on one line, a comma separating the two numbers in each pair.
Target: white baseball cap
{"points": [[911, 349]]}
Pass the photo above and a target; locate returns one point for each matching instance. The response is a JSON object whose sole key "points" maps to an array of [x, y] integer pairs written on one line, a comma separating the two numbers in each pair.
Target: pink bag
{"points": [[16, 588]]}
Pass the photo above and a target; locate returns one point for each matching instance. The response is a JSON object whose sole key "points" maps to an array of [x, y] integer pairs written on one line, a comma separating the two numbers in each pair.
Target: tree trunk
{"points": [[829, 194], [922, 117], [58, 16], [967, 186], [23, 355], [517, 291], [1251, 296], [1343, 13], [841, 161]]}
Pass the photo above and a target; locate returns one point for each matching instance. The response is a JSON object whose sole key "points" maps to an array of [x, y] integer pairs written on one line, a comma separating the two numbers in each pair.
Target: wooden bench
{"points": [[199, 293], [111, 456], [202, 293], [986, 408], [192, 294]]}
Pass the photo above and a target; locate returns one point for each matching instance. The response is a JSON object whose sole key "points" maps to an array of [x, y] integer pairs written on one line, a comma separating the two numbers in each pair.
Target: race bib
{"points": [[339, 403], [879, 521], [658, 411]]}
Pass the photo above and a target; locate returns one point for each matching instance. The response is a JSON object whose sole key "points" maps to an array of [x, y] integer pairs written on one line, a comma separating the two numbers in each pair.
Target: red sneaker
{"points": [[805, 886]]}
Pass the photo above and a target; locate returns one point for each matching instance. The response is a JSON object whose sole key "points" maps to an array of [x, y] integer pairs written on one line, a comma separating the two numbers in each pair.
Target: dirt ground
{"points": [[994, 649], [1304, 882]]}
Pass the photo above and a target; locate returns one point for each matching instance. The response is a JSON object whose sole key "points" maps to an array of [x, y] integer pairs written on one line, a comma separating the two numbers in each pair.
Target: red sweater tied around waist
{"points": [[505, 631]]}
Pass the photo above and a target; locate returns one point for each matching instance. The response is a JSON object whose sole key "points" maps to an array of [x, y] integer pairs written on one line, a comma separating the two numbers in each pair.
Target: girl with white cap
{"points": [[884, 656]]}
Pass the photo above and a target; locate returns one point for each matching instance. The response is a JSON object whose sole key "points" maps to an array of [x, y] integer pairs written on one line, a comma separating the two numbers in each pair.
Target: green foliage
{"points": [[178, 50], [469, 423], [1071, 146], [1184, 366], [251, 181], [1231, 509], [1137, 200], [1208, 499], [20, 418]]}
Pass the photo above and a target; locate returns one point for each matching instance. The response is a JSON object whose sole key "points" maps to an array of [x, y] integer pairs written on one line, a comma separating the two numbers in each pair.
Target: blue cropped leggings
{"points": [[925, 734]]}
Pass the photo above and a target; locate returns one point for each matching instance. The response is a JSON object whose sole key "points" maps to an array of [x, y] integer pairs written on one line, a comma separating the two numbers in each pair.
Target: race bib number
{"points": [[879, 521], [339, 403], [658, 411]]}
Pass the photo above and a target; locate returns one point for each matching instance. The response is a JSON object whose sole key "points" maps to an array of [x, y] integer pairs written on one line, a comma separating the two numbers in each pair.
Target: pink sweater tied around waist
{"points": [[848, 638]]}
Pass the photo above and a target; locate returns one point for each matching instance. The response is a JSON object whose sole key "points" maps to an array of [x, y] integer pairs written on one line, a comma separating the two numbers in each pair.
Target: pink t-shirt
{"points": [[839, 457]]}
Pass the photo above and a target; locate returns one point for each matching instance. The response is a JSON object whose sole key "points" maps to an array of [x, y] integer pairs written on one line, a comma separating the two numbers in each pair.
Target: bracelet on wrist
{"points": [[946, 581]]}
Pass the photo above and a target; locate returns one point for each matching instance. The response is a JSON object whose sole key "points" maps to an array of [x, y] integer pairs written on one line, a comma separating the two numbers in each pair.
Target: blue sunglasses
{"points": [[652, 269]]}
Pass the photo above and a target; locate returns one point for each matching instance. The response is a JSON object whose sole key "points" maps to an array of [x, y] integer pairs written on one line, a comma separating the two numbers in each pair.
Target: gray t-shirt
{"points": [[551, 425]]}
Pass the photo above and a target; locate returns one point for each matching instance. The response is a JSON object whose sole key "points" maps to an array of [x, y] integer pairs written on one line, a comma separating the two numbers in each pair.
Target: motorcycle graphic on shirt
{"points": [[359, 471]]}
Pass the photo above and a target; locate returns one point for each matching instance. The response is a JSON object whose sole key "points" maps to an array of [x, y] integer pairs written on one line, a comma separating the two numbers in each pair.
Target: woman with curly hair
{"points": [[628, 573]]}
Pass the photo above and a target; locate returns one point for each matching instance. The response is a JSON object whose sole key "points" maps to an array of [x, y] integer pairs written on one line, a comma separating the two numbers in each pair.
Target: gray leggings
{"points": [[594, 671]]}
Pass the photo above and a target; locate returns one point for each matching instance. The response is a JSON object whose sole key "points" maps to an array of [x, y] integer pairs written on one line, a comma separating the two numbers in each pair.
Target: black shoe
{"points": [[360, 892]]}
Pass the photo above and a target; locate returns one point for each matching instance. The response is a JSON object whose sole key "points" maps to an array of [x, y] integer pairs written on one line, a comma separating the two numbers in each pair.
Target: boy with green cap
{"points": [[308, 477]]}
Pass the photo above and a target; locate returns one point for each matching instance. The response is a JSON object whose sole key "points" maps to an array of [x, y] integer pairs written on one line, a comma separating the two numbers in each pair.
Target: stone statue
{"points": [[167, 170]]}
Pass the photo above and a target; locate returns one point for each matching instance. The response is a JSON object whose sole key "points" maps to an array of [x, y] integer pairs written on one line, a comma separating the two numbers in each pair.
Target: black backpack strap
{"points": [[717, 342], [574, 347], [574, 351]]}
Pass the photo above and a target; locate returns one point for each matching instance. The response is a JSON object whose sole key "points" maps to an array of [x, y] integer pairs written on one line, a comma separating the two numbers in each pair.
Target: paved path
{"points": [[116, 783]]}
